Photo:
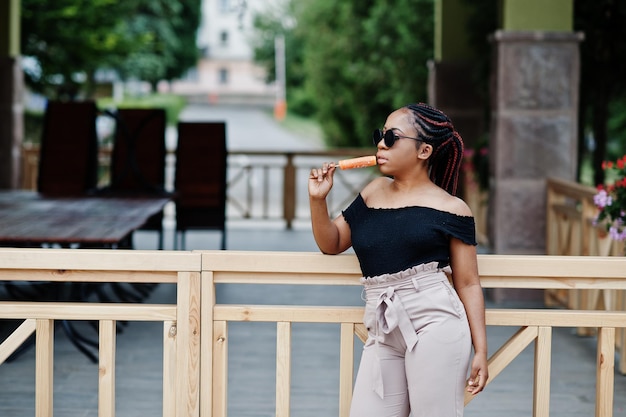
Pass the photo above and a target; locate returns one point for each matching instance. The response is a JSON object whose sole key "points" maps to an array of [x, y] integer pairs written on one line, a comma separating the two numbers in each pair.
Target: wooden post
{"points": [[289, 191], [605, 372], [106, 383], [188, 344], [44, 368]]}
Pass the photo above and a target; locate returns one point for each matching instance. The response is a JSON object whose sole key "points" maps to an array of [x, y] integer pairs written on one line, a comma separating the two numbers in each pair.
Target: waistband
{"points": [[421, 272]]}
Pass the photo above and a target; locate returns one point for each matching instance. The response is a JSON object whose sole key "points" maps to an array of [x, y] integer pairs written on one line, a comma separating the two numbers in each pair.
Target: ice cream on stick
{"points": [[360, 162]]}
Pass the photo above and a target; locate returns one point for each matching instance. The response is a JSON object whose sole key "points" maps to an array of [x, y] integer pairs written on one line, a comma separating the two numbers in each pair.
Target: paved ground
{"points": [[248, 128], [252, 357]]}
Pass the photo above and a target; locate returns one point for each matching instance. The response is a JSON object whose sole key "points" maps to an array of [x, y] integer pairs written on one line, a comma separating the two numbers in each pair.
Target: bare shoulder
{"points": [[456, 205], [374, 186]]}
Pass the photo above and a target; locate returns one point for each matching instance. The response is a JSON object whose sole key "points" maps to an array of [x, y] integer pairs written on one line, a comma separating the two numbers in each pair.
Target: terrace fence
{"points": [[195, 328]]}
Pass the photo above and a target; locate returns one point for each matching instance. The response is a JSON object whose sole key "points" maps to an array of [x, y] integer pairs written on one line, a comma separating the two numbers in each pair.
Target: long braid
{"points": [[437, 128]]}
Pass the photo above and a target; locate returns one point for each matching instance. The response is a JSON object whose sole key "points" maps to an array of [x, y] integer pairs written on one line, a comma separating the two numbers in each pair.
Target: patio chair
{"points": [[138, 158], [200, 181], [68, 156]]}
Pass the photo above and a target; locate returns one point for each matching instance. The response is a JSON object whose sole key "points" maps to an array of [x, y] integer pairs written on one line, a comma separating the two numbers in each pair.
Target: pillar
{"points": [[534, 118], [11, 93], [451, 87]]}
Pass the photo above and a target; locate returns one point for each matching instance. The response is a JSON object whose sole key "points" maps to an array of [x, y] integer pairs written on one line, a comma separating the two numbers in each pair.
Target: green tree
{"points": [[69, 40], [166, 31], [362, 59], [185, 53], [351, 62]]}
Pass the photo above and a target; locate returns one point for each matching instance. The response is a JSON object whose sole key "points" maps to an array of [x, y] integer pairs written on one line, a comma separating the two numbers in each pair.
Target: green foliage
{"points": [[184, 52], [166, 32], [173, 104], [616, 146], [33, 126], [70, 40], [363, 59], [351, 62]]}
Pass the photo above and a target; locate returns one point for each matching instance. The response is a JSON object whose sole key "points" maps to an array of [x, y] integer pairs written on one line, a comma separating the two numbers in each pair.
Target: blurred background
{"points": [[534, 87]]}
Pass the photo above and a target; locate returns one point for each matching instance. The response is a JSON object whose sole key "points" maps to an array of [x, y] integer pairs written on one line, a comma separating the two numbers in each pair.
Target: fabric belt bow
{"points": [[390, 314]]}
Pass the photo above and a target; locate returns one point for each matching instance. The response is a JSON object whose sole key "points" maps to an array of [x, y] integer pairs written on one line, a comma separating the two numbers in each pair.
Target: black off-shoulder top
{"points": [[389, 240]]}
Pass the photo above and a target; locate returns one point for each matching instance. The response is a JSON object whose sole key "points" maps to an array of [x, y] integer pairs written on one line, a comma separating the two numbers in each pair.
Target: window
{"points": [[223, 76], [224, 6], [224, 38]]}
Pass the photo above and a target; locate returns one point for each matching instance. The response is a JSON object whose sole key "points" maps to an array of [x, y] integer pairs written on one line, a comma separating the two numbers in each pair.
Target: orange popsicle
{"points": [[360, 162]]}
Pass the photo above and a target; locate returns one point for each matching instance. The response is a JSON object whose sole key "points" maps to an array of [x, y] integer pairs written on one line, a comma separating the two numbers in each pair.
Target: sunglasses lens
{"points": [[388, 136], [377, 135]]}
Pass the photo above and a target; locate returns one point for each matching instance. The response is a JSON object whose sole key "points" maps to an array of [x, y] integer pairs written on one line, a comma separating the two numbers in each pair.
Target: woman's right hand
{"points": [[321, 180]]}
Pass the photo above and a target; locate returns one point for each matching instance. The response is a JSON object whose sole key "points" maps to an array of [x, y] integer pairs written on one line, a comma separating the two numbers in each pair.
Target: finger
{"points": [[329, 166], [471, 388], [316, 174], [321, 173], [475, 384]]}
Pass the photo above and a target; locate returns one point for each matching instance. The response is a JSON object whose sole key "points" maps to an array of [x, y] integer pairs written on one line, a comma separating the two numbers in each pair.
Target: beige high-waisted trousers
{"points": [[416, 357]]}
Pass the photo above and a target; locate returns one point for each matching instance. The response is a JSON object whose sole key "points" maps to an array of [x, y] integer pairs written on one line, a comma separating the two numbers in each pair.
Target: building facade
{"points": [[226, 72]]}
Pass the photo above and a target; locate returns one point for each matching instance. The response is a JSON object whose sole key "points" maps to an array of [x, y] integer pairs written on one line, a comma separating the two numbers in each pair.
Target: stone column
{"points": [[533, 132]]}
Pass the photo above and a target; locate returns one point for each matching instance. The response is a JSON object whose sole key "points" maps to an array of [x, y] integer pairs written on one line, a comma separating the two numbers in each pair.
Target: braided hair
{"points": [[437, 130]]}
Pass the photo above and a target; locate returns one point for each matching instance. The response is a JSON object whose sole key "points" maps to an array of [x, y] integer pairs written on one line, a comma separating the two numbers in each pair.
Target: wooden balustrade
{"points": [[196, 339], [570, 222], [259, 179], [570, 230], [180, 321]]}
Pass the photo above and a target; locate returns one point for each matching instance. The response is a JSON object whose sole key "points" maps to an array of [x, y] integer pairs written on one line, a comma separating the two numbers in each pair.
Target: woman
{"points": [[412, 236]]}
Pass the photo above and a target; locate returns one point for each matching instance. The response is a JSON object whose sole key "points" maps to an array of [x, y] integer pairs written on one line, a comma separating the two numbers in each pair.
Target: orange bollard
{"points": [[280, 110]]}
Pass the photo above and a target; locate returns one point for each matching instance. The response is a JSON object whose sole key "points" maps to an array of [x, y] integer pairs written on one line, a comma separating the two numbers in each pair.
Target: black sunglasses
{"points": [[390, 137]]}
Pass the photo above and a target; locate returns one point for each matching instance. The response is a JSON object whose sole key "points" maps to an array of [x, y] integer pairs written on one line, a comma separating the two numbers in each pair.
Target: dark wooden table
{"points": [[31, 219]]}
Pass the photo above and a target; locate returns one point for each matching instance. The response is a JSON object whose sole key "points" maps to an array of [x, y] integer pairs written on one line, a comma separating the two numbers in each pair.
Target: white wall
{"points": [[226, 68]]}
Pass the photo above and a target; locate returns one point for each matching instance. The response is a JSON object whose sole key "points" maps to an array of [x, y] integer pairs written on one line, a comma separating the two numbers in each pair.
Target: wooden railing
{"points": [[262, 185], [570, 230], [195, 376], [180, 321], [272, 185]]}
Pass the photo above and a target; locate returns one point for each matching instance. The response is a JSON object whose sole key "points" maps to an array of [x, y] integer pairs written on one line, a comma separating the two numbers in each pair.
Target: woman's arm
{"points": [[332, 237], [466, 281]]}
